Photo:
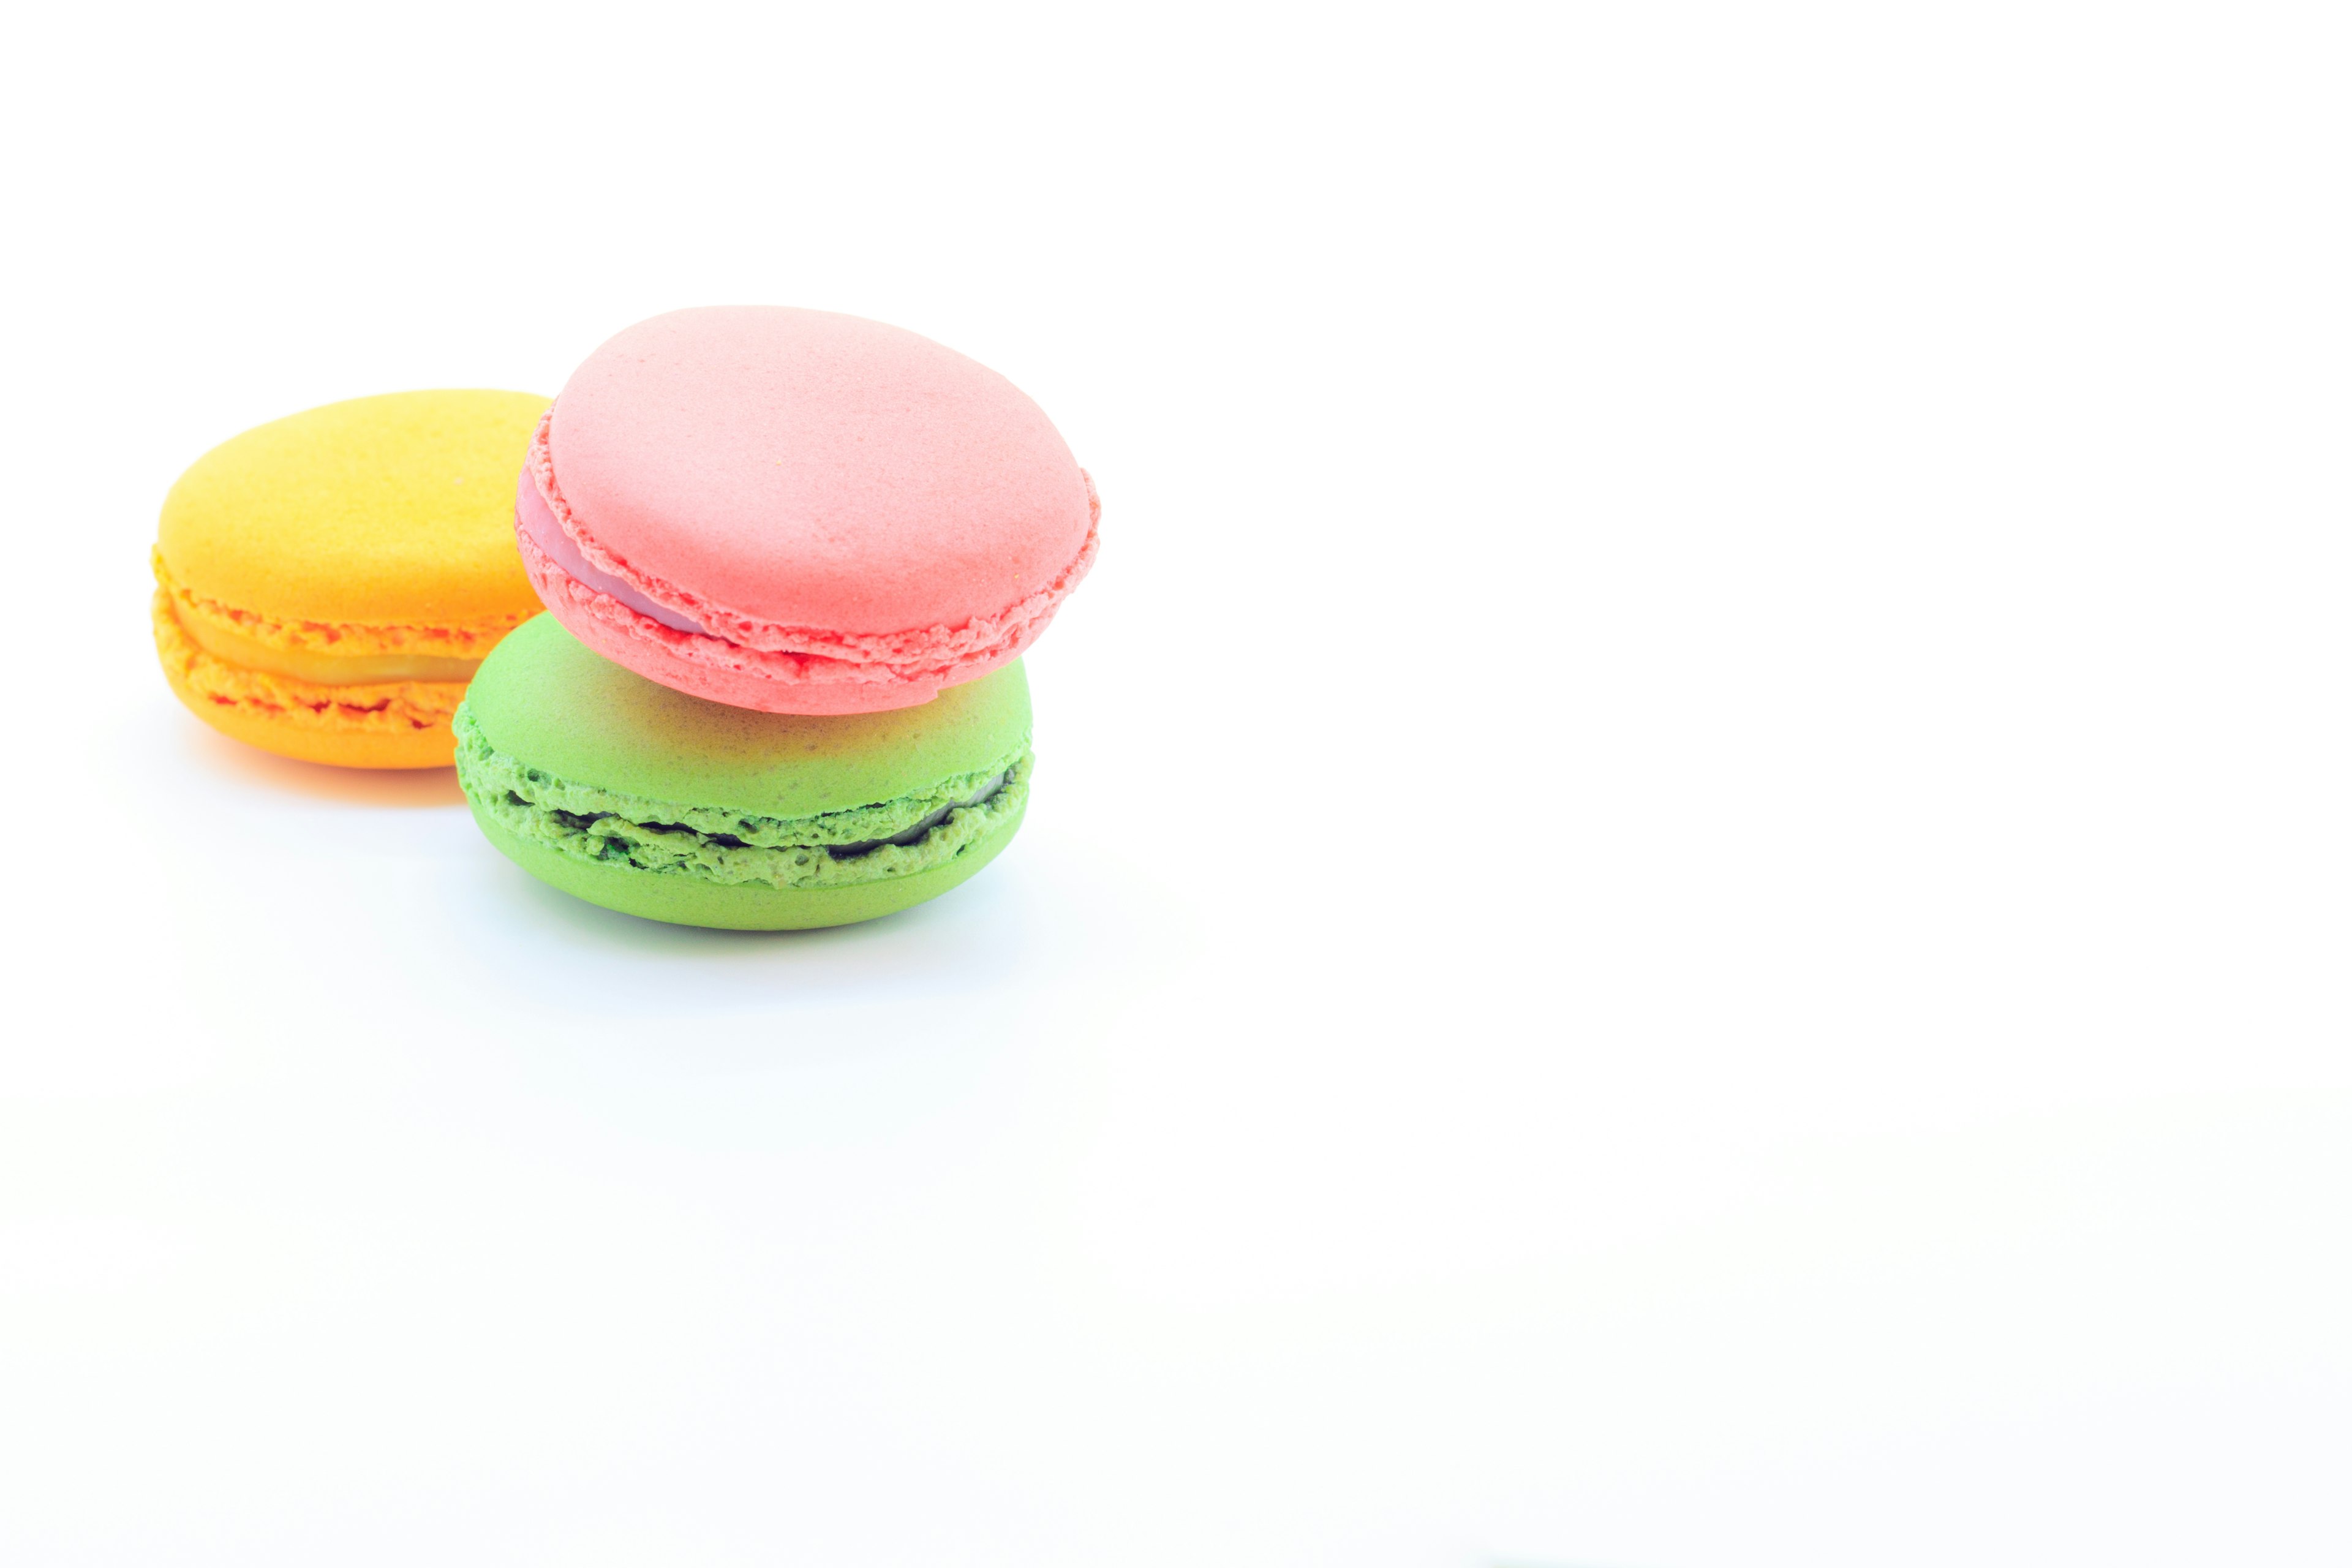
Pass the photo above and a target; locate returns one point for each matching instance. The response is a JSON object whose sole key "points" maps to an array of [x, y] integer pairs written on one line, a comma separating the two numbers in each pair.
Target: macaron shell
{"points": [[391, 510], [546, 699], [812, 470], [684, 900]]}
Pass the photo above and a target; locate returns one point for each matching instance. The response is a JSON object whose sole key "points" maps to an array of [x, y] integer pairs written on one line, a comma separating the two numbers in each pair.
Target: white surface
{"points": [[1687, 899]]}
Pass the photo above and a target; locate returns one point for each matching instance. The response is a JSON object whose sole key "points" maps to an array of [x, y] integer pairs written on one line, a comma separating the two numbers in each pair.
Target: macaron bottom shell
{"points": [[335, 746], [694, 902]]}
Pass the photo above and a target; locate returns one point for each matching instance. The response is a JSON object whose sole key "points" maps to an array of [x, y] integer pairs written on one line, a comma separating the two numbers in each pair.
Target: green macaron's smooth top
{"points": [[545, 701]]}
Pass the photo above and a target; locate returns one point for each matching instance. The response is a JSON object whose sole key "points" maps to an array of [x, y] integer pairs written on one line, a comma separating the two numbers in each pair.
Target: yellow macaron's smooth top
{"points": [[382, 525]]}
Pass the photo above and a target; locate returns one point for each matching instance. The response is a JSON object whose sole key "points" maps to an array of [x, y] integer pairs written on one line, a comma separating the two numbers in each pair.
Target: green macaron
{"points": [[645, 800]]}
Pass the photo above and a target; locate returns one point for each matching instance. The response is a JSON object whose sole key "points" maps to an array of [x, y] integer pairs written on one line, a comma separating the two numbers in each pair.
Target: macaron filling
{"points": [[913, 836], [566, 564], [321, 668], [312, 676], [536, 525], [320, 653], [210, 683], [862, 844]]}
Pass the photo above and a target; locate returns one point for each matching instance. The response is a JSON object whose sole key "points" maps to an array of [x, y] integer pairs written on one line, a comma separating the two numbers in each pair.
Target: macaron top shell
{"points": [[547, 701], [393, 510], [805, 470]]}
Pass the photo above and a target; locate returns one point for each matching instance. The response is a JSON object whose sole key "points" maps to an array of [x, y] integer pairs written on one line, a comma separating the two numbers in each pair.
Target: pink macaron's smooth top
{"points": [[757, 463]]}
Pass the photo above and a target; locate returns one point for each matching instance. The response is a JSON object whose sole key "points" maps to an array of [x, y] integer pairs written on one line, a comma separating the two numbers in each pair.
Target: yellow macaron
{"points": [[327, 583]]}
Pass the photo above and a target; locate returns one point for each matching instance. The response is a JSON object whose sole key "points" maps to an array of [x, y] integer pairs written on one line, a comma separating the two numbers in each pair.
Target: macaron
{"points": [[641, 798], [800, 512], [327, 583]]}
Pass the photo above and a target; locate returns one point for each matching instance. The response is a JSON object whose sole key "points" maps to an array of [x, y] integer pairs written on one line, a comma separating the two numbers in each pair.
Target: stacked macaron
{"points": [[793, 559], [800, 512]]}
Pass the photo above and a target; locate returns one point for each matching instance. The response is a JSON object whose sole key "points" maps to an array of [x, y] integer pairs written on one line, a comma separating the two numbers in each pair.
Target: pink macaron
{"points": [[799, 511]]}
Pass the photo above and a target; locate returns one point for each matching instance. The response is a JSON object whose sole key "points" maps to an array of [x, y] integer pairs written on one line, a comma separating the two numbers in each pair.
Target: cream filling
{"points": [[321, 668]]}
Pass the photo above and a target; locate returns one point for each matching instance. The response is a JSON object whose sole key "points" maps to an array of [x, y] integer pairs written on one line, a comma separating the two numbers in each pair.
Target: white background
{"points": [[1688, 897]]}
